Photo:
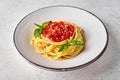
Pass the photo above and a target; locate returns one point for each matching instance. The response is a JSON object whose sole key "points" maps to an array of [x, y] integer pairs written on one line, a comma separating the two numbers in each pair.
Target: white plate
{"points": [[95, 33]]}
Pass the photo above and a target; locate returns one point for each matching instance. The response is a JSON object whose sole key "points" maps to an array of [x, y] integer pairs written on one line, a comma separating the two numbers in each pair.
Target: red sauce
{"points": [[58, 31]]}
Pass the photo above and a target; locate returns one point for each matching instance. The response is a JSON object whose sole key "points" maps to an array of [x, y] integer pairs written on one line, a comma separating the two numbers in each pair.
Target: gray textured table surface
{"points": [[14, 67]]}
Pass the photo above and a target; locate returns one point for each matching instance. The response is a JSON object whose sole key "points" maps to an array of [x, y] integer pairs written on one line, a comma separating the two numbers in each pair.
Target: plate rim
{"points": [[68, 68]]}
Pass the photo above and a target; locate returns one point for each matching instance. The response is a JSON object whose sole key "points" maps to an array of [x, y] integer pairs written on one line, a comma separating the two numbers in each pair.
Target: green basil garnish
{"points": [[37, 32], [40, 28], [70, 43], [75, 43], [63, 48]]}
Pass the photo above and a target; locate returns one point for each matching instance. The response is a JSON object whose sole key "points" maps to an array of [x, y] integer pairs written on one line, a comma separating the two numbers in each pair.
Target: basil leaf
{"points": [[75, 43], [37, 32], [46, 23], [63, 48], [38, 25], [40, 28], [70, 43]]}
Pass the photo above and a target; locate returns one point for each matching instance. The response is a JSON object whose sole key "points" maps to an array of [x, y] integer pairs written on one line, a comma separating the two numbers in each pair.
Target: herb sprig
{"points": [[70, 43], [40, 28]]}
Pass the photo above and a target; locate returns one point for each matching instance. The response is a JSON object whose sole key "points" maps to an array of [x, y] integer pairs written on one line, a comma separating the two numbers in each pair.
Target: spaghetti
{"points": [[56, 34]]}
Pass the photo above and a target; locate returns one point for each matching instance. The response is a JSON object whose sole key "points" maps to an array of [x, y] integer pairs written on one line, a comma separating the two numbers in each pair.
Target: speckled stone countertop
{"points": [[14, 67]]}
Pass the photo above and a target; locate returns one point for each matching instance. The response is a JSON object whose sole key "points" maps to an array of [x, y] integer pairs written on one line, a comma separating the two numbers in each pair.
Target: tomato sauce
{"points": [[58, 31]]}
